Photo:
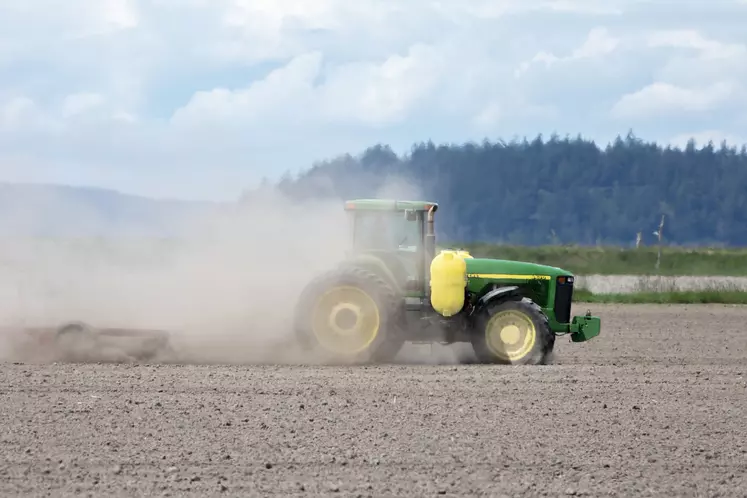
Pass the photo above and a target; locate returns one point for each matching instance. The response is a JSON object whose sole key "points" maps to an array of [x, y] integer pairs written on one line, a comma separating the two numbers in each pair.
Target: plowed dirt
{"points": [[654, 406]]}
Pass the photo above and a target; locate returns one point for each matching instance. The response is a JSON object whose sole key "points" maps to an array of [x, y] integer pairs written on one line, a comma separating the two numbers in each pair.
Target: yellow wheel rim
{"points": [[346, 320], [510, 335]]}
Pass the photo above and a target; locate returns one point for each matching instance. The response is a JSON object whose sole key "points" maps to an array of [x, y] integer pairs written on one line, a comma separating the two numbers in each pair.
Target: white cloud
{"points": [[106, 16], [663, 98], [383, 93], [374, 92], [53, 20], [599, 42], [692, 39], [270, 15], [703, 75], [280, 92], [22, 115], [715, 60], [134, 94], [80, 103], [683, 38], [585, 6], [17, 111]]}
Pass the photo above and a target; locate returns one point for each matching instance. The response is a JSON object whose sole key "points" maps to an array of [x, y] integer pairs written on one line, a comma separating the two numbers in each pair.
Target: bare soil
{"points": [[654, 406]]}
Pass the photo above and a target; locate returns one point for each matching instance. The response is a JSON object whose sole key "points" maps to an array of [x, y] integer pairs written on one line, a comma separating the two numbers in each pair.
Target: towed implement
{"points": [[80, 341], [394, 288]]}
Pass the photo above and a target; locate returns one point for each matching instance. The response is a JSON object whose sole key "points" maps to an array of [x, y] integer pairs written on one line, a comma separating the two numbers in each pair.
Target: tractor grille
{"points": [[563, 298]]}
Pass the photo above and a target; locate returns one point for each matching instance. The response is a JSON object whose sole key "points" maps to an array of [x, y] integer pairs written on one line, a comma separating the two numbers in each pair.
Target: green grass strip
{"points": [[606, 260]]}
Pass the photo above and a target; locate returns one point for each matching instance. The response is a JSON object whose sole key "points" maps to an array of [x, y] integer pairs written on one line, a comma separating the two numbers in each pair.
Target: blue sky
{"points": [[202, 98]]}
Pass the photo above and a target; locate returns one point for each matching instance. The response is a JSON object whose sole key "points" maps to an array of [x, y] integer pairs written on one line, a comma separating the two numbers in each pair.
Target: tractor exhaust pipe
{"points": [[430, 252]]}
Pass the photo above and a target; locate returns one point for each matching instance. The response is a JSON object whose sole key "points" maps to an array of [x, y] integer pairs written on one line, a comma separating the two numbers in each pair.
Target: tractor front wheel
{"points": [[349, 314], [512, 331]]}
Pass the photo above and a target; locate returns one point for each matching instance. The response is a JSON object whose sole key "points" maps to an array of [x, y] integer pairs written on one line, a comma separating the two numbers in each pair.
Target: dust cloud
{"points": [[225, 287]]}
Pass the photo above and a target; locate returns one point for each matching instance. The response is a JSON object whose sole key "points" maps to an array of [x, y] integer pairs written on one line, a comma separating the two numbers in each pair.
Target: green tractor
{"points": [[394, 288]]}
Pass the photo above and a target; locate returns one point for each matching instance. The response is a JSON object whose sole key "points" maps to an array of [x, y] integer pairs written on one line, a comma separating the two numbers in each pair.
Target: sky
{"points": [[200, 99]]}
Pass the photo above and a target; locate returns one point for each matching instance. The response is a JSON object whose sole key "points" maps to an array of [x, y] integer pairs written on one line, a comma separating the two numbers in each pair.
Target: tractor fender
{"points": [[498, 293], [375, 265]]}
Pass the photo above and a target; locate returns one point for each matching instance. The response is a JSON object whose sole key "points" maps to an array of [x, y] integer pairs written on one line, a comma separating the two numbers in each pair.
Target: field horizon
{"points": [[706, 260], [604, 273]]}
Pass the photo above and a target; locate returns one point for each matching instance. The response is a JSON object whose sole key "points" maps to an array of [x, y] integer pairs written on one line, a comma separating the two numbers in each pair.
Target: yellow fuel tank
{"points": [[448, 280]]}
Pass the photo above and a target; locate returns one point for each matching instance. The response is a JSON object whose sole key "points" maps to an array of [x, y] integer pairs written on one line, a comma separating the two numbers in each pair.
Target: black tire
{"points": [[387, 338], [534, 352]]}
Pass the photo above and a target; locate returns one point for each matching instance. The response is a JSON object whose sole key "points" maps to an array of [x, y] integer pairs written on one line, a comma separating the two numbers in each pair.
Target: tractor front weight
{"points": [[583, 328]]}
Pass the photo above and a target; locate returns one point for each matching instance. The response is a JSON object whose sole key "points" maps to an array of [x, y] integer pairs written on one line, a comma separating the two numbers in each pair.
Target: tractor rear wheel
{"points": [[512, 331], [350, 314]]}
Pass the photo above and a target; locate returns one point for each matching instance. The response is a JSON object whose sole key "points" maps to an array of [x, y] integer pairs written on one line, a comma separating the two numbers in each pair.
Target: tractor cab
{"points": [[389, 225], [400, 233], [386, 230]]}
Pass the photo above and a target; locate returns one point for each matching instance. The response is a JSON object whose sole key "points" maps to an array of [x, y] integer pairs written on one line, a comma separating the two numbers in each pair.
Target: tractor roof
{"points": [[388, 205]]}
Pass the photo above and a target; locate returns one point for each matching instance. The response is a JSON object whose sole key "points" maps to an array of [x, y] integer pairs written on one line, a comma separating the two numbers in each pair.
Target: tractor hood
{"points": [[500, 268]]}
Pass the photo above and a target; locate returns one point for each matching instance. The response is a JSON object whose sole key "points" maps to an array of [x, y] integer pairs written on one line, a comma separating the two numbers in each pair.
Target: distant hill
{"points": [[30, 210]]}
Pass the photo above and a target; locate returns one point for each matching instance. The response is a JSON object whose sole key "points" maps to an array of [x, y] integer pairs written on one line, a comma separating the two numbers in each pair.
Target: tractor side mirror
{"points": [[411, 215]]}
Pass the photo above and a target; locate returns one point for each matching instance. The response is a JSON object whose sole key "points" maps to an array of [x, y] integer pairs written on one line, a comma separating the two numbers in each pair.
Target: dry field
{"points": [[654, 406]]}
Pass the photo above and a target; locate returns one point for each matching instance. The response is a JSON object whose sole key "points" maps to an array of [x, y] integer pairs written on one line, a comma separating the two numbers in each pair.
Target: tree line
{"points": [[555, 191]]}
